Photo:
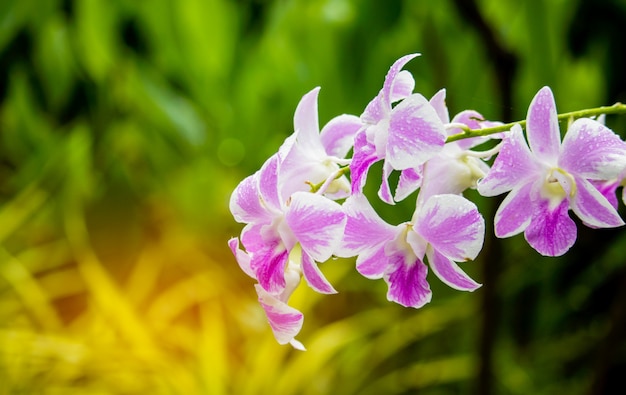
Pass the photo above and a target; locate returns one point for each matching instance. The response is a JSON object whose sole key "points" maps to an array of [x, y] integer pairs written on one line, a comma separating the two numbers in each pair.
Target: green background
{"points": [[125, 125]]}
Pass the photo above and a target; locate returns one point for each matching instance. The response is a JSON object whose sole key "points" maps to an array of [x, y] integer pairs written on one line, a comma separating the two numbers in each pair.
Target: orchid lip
{"points": [[553, 187]]}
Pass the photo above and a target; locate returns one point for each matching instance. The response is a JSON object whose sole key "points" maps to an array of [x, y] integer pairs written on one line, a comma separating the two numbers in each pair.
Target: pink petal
{"points": [[514, 165], [314, 276], [241, 257], [551, 231], [317, 223], [268, 184], [438, 101], [384, 192], [449, 272], [363, 158], [473, 120], [593, 151], [268, 264], [515, 211], [470, 118], [337, 136], [416, 133], [542, 126], [407, 281], [305, 121], [402, 86], [608, 189], [252, 237], [592, 207], [375, 110], [286, 146], [372, 263], [452, 225], [245, 203], [285, 321], [410, 180], [390, 79], [364, 230]]}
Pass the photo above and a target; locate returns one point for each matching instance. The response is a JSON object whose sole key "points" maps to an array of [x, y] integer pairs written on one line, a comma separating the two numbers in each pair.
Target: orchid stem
{"points": [[617, 108]]}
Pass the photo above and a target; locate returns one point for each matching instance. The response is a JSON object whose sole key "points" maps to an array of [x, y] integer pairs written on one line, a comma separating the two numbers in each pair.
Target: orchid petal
{"points": [[305, 121], [269, 266], [438, 101], [285, 321], [390, 78], [452, 225], [375, 110], [410, 180], [592, 207], [268, 184], [407, 281], [314, 276], [608, 189], [372, 263], [515, 211], [513, 165], [364, 229], [551, 231], [337, 136], [384, 192], [473, 120], [245, 203], [286, 146], [542, 126], [317, 222], [363, 158], [438, 176], [593, 151], [252, 237], [402, 86], [241, 257], [449, 272], [416, 133]]}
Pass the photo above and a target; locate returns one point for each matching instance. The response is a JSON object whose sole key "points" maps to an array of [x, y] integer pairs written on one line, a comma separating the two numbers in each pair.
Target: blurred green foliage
{"points": [[124, 125]]}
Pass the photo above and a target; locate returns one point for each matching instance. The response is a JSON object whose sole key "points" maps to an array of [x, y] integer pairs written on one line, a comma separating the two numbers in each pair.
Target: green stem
{"points": [[617, 108]]}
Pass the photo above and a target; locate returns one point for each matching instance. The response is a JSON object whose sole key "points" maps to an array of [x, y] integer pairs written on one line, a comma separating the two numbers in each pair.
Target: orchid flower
{"points": [[446, 229], [404, 136], [283, 238], [546, 178], [313, 156]]}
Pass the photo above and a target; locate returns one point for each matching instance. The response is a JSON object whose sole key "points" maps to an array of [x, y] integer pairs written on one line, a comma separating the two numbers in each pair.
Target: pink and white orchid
{"points": [[287, 228], [446, 229], [546, 178]]}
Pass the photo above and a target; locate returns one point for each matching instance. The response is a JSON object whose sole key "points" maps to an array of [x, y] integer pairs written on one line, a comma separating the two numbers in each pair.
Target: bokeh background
{"points": [[125, 125]]}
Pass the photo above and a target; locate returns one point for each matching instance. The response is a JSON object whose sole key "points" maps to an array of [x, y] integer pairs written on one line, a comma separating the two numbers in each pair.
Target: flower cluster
{"points": [[301, 209]]}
